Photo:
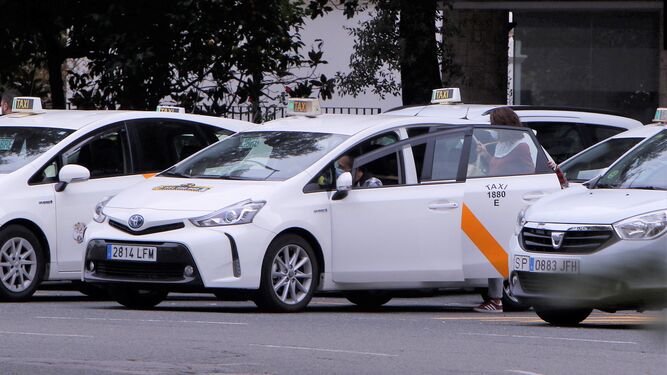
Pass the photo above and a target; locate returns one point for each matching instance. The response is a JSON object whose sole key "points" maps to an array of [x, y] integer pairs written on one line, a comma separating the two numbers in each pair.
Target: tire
{"points": [[140, 299], [563, 317], [510, 303], [368, 299], [22, 263], [285, 287]]}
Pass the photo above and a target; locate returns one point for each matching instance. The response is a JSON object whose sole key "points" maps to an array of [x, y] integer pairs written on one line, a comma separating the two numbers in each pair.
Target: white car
{"points": [[274, 214], [599, 248], [562, 131], [593, 161], [56, 165]]}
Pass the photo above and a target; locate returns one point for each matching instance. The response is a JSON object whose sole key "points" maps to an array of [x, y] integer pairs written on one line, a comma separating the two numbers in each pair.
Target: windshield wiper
{"points": [[175, 174], [648, 187]]}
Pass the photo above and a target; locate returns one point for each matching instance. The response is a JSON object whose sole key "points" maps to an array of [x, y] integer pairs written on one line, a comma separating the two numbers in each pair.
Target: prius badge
{"points": [[557, 239], [135, 221]]}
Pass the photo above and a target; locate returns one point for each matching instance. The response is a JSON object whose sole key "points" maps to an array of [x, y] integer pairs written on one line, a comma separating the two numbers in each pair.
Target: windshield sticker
{"points": [[183, 187], [6, 144]]}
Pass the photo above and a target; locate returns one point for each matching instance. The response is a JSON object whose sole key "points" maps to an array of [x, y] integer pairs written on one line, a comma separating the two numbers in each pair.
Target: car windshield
{"points": [[258, 156], [645, 167], [21, 145], [592, 162]]}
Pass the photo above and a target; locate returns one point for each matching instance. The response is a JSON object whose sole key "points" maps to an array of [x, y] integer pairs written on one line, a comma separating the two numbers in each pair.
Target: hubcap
{"points": [[291, 274], [18, 264]]}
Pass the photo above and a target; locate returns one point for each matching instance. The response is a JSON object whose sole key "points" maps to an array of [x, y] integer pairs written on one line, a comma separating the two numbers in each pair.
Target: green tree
{"points": [[206, 55]]}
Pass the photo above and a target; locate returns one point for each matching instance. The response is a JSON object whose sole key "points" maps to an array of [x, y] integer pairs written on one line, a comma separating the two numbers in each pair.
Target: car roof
{"points": [[641, 132], [348, 124], [78, 119], [480, 112]]}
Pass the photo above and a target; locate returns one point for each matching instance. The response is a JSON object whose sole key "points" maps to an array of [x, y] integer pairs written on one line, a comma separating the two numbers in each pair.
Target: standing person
{"points": [[511, 156], [7, 100]]}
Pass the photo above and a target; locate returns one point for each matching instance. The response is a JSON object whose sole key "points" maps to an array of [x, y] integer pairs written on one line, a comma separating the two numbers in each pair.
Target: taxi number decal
{"points": [[23, 103], [6, 144], [496, 192], [184, 187]]}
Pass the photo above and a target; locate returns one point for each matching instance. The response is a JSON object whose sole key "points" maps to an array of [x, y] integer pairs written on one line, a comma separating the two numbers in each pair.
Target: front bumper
{"points": [[622, 275], [222, 257]]}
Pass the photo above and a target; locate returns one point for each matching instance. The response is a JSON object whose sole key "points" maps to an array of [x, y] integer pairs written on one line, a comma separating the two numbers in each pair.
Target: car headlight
{"points": [[99, 215], [520, 220], [642, 227], [239, 213]]}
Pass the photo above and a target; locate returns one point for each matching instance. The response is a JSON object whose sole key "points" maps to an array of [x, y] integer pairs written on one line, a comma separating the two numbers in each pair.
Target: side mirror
{"points": [[343, 186], [71, 173]]}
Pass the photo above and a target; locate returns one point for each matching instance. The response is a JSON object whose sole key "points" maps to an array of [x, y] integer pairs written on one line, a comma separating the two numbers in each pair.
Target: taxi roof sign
{"points": [[303, 106], [661, 115], [27, 104], [170, 109], [446, 96]]}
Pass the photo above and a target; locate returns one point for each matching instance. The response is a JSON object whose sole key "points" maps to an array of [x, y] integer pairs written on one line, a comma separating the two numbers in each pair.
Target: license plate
{"points": [[545, 265], [135, 253]]}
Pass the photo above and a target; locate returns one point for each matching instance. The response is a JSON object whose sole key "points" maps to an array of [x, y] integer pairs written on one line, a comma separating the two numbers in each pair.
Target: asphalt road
{"points": [[66, 333]]}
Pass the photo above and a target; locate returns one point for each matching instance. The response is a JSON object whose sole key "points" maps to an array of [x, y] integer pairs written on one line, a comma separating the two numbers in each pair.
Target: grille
{"points": [[156, 229], [563, 285], [143, 271], [574, 241]]}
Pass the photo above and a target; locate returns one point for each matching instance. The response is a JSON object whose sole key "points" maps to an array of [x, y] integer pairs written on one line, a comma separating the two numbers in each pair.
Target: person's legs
{"points": [[495, 293]]}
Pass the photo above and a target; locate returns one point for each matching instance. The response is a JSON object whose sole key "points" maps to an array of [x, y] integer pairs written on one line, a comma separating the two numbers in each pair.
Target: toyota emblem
{"points": [[135, 221]]}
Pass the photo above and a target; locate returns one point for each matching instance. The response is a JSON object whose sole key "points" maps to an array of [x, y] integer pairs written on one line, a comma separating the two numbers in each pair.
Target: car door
{"points": [[408, 231], [106, 155], [501, 181]]}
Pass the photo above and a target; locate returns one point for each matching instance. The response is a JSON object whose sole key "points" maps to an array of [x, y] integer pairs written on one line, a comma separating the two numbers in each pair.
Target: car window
{"points": [[418, 150], [501, 152], [600, 133], [447, 151], [561, 140], [380, 172], [104, 154], [161, 143], [215, 133], [593, 161], [21, 145]]}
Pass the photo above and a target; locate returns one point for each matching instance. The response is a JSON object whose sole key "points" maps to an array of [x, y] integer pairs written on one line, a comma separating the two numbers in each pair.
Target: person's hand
{"points": [[551, 164], [481, 149]]}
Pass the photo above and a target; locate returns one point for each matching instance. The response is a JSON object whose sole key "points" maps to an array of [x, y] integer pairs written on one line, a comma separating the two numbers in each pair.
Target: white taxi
{"points": [[594, 160], [579, 127], [365, 205], [56, 165], [599, 248]]}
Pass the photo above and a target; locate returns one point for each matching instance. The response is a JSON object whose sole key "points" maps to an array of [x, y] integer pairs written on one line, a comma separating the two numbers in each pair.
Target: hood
{"points": [[181, 194], [579, 205]]}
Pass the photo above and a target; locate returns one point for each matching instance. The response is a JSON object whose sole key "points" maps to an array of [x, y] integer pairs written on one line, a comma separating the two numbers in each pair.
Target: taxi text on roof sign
{"points": [[170, 109], [446, 95], [27, 104], [303, 106], [661, 115]]}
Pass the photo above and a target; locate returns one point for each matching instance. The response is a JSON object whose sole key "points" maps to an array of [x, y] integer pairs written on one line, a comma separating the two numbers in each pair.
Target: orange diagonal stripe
{"points": [[484, 241], [149, 175]]}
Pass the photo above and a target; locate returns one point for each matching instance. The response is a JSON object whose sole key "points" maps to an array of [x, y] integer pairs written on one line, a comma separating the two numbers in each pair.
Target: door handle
{"points": [[533, 196], [443, 205]]}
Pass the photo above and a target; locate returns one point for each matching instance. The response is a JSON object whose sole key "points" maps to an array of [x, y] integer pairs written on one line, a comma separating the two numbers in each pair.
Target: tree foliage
{"points": [[206, 55]]}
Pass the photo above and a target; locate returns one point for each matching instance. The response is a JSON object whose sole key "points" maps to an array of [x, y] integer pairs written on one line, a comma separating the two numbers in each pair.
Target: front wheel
{"points": [[563, 317], [22, 263], [289, 275], [368, 299], [138, 298]]}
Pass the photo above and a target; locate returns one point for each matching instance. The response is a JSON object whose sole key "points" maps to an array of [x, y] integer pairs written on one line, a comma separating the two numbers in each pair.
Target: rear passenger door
{"points": [[511, 174]]}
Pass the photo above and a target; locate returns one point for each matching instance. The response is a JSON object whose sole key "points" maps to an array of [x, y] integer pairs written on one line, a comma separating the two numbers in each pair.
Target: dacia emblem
{"points": [[135, 221], [557, 239]]}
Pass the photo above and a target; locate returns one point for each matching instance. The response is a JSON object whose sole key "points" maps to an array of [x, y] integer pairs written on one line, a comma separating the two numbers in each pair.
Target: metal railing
{"points": [[271, 113]]}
